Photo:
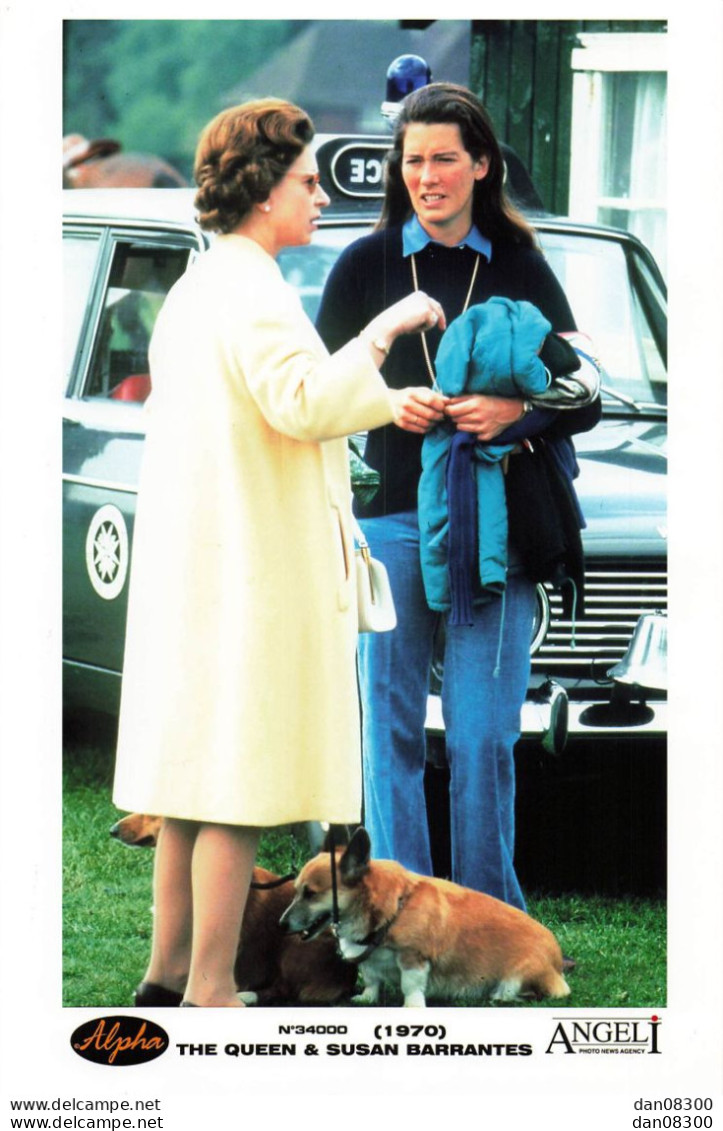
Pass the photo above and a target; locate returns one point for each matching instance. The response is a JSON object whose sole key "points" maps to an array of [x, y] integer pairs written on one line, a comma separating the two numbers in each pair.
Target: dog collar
{"points": [[374, 939]]}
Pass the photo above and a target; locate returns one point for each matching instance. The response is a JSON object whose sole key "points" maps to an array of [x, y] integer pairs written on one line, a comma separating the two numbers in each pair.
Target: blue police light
{"points": [[405, 74]]}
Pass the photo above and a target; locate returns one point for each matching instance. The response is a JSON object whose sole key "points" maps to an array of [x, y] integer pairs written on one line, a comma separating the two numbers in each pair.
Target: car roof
{"points": [[174, 205]]}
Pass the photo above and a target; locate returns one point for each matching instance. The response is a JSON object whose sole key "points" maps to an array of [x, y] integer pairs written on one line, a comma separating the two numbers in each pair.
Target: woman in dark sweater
{"points": [[448, 229]]}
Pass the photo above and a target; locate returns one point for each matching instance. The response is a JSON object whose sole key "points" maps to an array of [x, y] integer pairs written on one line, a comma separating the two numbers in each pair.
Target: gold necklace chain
{"points": [[425, 347]]}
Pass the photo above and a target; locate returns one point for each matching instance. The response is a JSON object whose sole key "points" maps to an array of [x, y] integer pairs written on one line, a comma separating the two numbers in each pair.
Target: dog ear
{"points": [[355, 861]]}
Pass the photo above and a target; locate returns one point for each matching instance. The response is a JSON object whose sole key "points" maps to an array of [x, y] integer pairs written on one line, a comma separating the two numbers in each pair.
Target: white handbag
{"points": [[375, 603]]}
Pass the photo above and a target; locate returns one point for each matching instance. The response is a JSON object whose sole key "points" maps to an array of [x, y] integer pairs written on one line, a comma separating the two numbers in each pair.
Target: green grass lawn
{"points": [[619, 943]]}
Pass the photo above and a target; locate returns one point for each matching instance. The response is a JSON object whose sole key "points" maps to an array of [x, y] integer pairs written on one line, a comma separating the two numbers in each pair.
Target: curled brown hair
{"points": [[444, 102], [242, 154]]}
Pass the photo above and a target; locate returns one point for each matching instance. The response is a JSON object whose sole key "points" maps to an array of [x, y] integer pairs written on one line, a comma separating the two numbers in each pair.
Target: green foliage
{"points": [[153, 84], [87, 61], [619, 944]]}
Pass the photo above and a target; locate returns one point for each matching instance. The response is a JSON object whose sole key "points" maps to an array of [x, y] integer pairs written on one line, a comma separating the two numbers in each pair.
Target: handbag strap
{"points": [[360, 539]]}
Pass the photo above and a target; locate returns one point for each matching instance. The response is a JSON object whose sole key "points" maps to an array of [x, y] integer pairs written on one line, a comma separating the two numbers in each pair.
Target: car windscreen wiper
{"points": [[630, 402]]}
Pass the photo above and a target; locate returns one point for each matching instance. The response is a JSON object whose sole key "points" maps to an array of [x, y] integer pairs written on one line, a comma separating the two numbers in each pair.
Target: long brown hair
{"points": [[443, 102]]}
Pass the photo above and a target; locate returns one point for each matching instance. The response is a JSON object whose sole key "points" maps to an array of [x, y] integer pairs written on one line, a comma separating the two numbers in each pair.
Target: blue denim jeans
{"points": [[486, 671]]}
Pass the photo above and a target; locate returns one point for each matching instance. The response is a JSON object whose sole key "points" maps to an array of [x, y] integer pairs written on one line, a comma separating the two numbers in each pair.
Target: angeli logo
{"points": [[612, 1035], [119, 1041]]}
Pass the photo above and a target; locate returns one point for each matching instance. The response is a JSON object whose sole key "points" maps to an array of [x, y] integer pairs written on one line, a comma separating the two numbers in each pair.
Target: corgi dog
{"points": [[137, 830], [426, 936], [272, 968]]}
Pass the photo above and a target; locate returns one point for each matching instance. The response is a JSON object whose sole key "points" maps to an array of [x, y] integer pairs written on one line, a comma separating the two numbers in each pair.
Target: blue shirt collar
{"points": [[414, 238]]}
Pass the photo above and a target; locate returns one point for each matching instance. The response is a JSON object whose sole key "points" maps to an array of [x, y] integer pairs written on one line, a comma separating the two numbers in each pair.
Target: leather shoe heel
{"points": [[148, 995]]}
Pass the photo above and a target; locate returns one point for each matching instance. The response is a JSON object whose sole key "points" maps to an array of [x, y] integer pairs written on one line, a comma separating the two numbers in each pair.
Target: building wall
{"points": [[521, 71]]}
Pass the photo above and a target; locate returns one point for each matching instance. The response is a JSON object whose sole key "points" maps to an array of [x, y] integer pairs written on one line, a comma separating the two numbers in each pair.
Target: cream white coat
{"points": [[239, 699]]}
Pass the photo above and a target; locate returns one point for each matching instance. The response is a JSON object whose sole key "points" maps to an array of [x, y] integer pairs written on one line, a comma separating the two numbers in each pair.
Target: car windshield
{"points": [[613, 293], [616, 299]]}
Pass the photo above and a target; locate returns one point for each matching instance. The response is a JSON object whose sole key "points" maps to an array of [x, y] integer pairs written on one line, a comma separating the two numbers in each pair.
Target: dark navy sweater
{"points": [[371, 274]]}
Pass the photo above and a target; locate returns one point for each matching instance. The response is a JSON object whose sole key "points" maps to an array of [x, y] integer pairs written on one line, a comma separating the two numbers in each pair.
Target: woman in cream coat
{"points": [[239, 705]]}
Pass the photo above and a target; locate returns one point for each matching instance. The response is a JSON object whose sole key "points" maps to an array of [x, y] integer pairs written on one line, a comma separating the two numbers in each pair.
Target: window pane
{"points": [[633, 186], [619, 96], [79, 256], [306, 268], [618, 159], [141, 276]]}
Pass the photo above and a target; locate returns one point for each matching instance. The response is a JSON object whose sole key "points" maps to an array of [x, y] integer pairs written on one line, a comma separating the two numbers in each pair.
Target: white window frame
{"points": [[599, 54]]}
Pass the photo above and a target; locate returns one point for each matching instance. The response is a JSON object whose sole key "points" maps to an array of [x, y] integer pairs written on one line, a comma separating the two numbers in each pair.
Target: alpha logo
{"points": [[119, 1041], [612, 1036], [106, 552]]}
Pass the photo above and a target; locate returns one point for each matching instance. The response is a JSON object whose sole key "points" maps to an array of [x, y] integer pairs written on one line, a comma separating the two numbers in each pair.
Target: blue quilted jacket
{"points": [[492, 349]]}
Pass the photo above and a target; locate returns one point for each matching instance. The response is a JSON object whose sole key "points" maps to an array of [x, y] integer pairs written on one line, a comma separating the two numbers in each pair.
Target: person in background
{"points": [[239, 705], [448, 228]]}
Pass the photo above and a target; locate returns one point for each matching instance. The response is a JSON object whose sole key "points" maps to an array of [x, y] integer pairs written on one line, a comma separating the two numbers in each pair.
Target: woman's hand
{"points": [[415, 313], [417, 410], [485, 416], [410, 315]]}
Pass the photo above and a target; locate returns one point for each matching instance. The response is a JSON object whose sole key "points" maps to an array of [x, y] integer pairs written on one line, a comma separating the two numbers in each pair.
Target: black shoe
{"points": [[148, 994]]}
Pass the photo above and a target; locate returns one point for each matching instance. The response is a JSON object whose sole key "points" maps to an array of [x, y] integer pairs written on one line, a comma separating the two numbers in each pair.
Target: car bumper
{"points": [[574, 719]]}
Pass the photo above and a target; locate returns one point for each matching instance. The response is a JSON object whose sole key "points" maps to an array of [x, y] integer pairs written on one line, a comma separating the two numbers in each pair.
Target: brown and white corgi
{"points": [[428, 936]]}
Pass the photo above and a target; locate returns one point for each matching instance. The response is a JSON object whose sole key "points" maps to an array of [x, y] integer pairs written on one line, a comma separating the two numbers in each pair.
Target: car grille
{"points": [[616, 594]]}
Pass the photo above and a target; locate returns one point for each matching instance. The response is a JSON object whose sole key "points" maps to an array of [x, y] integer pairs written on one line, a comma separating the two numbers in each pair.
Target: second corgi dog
{"points": [[429, 936], [271, 968]]}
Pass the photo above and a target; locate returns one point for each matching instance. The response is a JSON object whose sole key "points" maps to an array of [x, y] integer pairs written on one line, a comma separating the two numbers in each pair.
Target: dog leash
{"points": [[334, 883], [277, 883]]}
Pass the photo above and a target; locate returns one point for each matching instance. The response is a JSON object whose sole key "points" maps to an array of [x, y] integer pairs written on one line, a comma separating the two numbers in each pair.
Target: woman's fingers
{"points": [[485, 416], [411, 315], [418, 409], [435, 314]]}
